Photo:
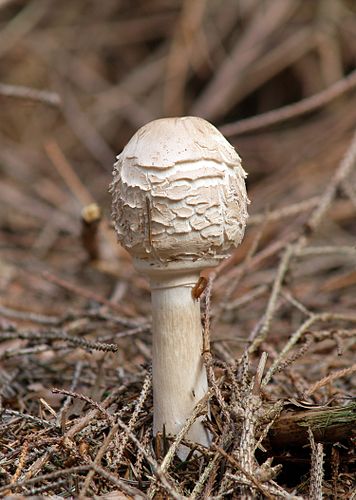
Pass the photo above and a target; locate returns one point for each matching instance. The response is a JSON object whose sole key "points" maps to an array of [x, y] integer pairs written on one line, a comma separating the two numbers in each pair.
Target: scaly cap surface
{"points": [[179, 193]]}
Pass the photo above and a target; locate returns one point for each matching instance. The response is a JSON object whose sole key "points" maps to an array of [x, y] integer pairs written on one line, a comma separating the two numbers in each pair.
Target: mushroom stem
{"points": [[179, 376]]}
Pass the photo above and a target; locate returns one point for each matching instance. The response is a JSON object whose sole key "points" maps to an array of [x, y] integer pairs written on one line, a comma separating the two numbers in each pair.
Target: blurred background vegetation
{"points": [[112, 66]]}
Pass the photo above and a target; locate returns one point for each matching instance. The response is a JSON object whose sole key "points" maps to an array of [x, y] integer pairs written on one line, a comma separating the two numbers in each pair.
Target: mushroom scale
{"points": [[179, 192]]}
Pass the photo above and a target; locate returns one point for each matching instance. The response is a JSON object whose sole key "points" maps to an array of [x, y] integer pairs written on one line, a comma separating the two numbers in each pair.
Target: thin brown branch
{"points": [[78, 290], [316, 470], [249, 476], [66, 171], [330, 378], [30, 94], [291, 111], [297, 335]]}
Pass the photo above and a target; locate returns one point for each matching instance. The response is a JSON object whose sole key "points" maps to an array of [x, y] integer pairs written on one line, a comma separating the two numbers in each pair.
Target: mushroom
{"points": [[179, 205]]}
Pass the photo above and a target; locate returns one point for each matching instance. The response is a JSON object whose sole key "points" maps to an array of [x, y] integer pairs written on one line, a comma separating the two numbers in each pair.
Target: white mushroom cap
{"points": [[179, 193]]}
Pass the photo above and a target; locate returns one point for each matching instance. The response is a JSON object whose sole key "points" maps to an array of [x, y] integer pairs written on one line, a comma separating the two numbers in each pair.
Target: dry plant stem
{"points": [[179, 376], [56, 485], [272, 302], [174, 448], [138, 408], [117, 421], [20, 466], [75, 185], [350, 191], [330, 378], [90, 220], [236, 464], [279, 58], [292, 110], [317, 471], [84, 421], [296, 336], [345, 167], [285, 211], [226, 298], [259, 374], [205, 476], [44, 477], [29, 316], [184, 46], [327, 250], [251, 405], [122, 485], [274, 415], [222, 280], [10, 353], [30, 418], [335, 468], [98, 459], [65, 170], [84, 129], [21, 24], [156, 468], [298, 305], [88, 400], [146, 440], [207, 356], [298, 354], [55, 335], [88, 294], [62, 414], [70, 472], [245, 299], [34, 208], [219, 93], [273, 489], [18, 91]]}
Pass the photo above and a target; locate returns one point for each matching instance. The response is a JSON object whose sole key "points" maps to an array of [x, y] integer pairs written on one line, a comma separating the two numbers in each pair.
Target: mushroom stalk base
{"points": [[179, 376]]}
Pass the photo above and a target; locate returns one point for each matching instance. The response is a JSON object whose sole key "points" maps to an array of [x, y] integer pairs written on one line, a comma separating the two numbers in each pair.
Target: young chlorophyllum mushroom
{"points": [[179, 206]]}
